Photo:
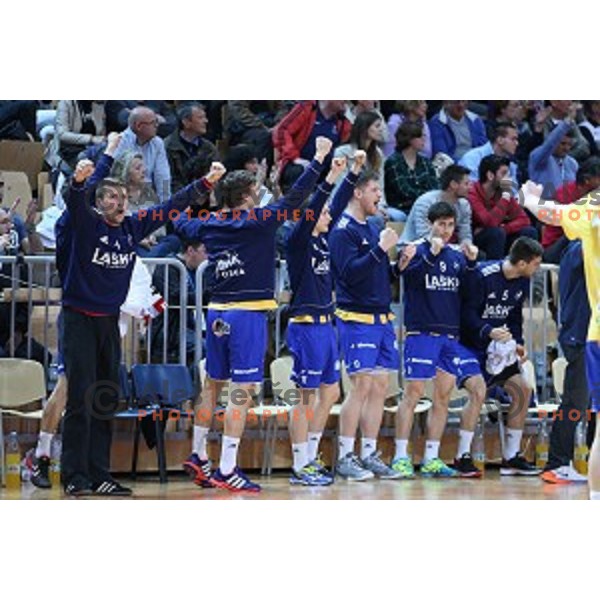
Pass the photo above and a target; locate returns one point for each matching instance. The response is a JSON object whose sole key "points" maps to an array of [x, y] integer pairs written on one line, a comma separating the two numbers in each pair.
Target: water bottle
{"points": [[580, 456], [55, 452], [479, 448], [13, 462], [542, 445]]}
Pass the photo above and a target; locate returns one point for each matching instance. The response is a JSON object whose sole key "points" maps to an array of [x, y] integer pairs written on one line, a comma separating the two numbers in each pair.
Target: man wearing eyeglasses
{"points": [[141, 136]]}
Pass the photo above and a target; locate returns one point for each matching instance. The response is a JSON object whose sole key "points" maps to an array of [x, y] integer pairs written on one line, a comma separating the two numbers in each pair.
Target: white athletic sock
{"points": [[300, 455], [464, 442], [367, 447], [345, 445], [314, 439], [229, 450], [594, 495], [401, 449], [432, 449], [199, 441], [43, 445], [512, 443]]}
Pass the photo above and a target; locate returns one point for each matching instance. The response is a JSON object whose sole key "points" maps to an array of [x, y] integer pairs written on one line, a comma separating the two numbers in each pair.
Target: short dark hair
{"points": [[239, 155], [452, 173], [406, 133], [185, 111], [108, 182], [491, 164], [234, 187], [189, 243], [588, 169], [525, 248], [365, 176], [501, 129], [441, 210]]}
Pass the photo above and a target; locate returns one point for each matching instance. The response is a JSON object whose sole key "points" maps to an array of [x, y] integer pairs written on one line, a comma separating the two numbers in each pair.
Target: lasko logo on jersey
{"points": [[112, 260], [320, 267], [442, 282], [229, 265]]}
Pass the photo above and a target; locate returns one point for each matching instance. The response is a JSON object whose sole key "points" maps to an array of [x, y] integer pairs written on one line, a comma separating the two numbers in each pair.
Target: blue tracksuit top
{"points": [[361, 269], [492, 300], [97, 258], [308, 257], [432, 289], [241, 243]]}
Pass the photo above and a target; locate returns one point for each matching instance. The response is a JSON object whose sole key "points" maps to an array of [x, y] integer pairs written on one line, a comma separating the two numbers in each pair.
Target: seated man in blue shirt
{"points": [[491, 318]]}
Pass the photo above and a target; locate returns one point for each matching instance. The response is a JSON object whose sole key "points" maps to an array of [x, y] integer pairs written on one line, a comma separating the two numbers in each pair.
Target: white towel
{"points": [[142, 301], [500, 355]]}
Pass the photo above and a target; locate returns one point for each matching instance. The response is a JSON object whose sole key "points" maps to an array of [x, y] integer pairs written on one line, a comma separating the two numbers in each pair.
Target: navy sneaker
{"points": [[237, 481], [199, 470]]}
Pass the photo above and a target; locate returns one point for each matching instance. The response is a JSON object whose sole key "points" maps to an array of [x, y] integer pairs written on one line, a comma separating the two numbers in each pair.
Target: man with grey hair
{"points": [[188, 151], [140, 137]]}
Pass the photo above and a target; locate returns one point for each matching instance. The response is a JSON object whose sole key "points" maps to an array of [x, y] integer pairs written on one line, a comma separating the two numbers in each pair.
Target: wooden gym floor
{"points": [[276, 487]]}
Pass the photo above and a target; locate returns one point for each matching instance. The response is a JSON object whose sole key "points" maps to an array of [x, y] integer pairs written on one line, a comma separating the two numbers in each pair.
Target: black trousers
{"points": [[575, 398], [92, 352]]}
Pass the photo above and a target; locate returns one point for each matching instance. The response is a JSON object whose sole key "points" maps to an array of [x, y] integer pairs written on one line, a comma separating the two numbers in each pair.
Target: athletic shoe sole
{"points": [[549, 477], [196, 475], [225, 486], [518, 473], [307, 484], [473, 475], [356, 479]]}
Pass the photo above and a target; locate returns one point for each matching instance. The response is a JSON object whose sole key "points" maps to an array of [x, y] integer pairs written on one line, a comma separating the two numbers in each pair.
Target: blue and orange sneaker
{"points": [[199, 470], [237, 481]]}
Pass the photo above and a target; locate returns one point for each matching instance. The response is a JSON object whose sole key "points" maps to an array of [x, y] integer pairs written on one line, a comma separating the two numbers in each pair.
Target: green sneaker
{"points": [[436, 467], [405, 467]]}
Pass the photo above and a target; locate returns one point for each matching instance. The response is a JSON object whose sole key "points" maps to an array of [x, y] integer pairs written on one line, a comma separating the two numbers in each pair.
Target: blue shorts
{"points": [[592, 368], [425, 353], [236, 342], [60, 329], [314, 349], [366, 347]]}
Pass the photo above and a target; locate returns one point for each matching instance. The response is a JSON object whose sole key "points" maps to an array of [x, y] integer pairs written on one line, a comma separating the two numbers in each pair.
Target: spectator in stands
{"points": [[454, 190], [560, 111], [455, 130], [118, 112], [130, 169], [17, 238], [188, 142], [586, 180], [295, 135], [590, 127], [17, 119], [244, 157], [252, 122], [193, 254], [550, 163], [367, 133], [355, 107], [505, 141], [498, 218], [141, 137], [411, 111], [531, 134], [79, 124], [407, 174]]}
